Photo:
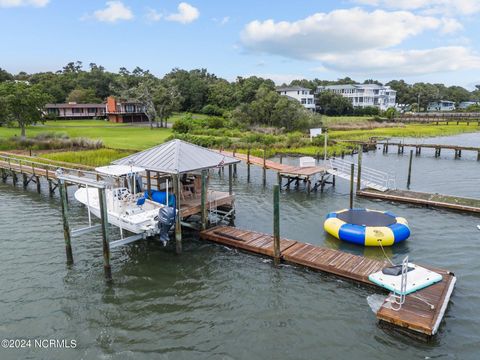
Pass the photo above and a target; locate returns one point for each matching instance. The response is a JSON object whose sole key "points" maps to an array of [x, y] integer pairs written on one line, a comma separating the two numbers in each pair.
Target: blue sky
{"points": [[418, 40]]}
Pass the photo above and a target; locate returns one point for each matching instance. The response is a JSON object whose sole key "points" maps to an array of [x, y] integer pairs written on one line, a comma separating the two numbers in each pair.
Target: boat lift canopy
{"points": [[119, 170], [177, 157]]}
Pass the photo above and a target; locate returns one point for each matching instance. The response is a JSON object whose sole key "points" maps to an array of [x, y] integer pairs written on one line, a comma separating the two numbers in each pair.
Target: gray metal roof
{"points": [[291, 88], [176, 157]]}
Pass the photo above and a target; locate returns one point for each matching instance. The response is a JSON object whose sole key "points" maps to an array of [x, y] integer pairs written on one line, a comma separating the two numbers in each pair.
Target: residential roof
{"points": [[69, 106], [177, 157], [292, 88]]}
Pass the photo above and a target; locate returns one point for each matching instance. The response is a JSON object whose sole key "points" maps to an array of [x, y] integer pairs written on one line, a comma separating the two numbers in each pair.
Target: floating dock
{"points": [[425, 199], [415, 316]]}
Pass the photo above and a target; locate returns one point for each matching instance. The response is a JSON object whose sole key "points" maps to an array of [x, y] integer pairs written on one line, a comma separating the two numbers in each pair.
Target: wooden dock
{"points": [[425, 199], [439, 118], [292, 174], [415, 316]]}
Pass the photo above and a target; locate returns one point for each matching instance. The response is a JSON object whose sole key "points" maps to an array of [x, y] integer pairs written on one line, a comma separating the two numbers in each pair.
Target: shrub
{"points": [[183, 125], [212, 110]]}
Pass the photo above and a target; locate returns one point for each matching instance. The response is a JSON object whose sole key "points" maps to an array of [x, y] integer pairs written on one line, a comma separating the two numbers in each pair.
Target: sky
{"points": [[416, 40]]}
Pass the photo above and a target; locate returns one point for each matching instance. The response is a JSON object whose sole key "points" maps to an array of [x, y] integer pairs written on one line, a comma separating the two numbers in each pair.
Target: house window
{"points": [[310, 101], [304, 101], [77, 111], [130, 108], [92, 110]]}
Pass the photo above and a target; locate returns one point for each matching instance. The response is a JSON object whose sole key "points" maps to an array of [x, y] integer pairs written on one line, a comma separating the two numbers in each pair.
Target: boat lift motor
{"points": [[166, 219]]}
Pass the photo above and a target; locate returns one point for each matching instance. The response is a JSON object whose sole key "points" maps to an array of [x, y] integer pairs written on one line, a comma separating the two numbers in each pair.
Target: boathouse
{"points": [[184, 167]]}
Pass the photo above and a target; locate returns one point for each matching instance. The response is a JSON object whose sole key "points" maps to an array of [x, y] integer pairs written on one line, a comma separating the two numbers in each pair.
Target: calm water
{"points": [[216, 303]]}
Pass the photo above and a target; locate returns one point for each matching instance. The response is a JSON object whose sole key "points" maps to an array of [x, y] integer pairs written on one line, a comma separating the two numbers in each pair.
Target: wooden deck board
{"points": [[415, 314], [428, 199]]}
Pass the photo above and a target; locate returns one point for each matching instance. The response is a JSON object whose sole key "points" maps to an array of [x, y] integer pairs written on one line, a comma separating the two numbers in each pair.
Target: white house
{"points": [[465, 104], [363, 95], [441, 105], [301, 94]]}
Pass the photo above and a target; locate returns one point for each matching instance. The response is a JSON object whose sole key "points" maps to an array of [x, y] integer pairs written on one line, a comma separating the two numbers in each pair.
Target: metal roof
{"points": [[68, 106], [176, 157], [291, 88]]}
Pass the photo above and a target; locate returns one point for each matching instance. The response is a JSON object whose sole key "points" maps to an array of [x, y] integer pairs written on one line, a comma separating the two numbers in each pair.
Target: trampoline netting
{"points": [[367, 218]]}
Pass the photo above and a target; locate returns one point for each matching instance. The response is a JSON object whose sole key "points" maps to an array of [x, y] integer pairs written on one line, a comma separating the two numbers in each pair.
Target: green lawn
{"points": [[117, 136]]}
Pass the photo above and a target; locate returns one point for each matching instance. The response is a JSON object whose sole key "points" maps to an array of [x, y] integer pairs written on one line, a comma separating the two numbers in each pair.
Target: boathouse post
{"points": [[204, 217], [66, 227], [359, 169], [276, 224], [104, 221], [149, 185], [352, 174], [178, 225], [230, 179], [409, 169], [248, 164]]}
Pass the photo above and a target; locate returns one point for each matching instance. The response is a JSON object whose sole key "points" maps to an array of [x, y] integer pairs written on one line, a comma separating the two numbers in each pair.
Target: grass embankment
{"points": [[88, 157]]}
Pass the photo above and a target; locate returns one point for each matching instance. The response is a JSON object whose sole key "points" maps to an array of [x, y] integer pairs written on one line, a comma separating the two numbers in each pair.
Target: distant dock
{"points": [[419, 317]]}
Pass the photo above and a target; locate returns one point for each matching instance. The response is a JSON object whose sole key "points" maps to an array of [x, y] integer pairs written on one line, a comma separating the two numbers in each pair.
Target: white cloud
{"points": [[345, 30], [224, 20], [17, 3], [357, 41], [153, 15], [446, 7], [186, 14], [404, 62], [113, 12]]}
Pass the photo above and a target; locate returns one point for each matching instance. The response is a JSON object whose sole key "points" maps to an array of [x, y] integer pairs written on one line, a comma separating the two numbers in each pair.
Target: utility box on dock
{"points": [[307, 161]]}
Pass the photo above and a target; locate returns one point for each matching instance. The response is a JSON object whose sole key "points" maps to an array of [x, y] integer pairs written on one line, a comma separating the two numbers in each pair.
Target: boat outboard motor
{"points": [[166, 218]]}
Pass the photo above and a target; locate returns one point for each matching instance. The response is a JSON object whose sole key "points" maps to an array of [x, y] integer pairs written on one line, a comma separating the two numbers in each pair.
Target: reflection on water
{"points": [[216, 302]]}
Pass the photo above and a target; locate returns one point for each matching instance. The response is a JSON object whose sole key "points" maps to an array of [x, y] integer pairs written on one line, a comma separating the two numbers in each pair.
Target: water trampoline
{"points": [[367, 227]]}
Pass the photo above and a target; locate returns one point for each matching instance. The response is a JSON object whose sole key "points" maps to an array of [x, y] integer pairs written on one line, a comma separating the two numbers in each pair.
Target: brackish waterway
{"points": [[212, 302]]}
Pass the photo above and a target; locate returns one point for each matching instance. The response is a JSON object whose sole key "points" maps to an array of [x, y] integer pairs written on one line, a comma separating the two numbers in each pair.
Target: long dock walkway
{"points": [[425, 199], [415, 315]]}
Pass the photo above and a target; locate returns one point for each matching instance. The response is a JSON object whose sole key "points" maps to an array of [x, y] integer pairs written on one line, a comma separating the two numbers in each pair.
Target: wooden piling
{"points": [[409, 169], [66, 227], [230, 179], [264, 167], [25, 180], [325, 145], [248, 165], [204, 216], [149, 184], [37, 180], [104, 221], [14, 178], [276, 224], [352, 174], [178, 225], [359, 169]]}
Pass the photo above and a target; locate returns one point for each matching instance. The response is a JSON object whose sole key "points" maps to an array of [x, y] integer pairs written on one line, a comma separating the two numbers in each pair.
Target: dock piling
{"points": [[264, 167], [248, 164], [178, 225], [204, 200], [37, 181], [230, 179], [106, 246], [359, 170], [410, 169], [66, 227], [149, 185], [352, 174], [276, 224]]}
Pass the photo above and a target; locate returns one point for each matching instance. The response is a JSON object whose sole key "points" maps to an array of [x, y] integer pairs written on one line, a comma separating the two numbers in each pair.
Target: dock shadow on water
{"points": [[212, 302]]}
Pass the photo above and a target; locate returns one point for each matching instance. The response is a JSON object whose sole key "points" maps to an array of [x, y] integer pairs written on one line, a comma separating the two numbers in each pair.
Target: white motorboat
{"points": [[127, 206]]}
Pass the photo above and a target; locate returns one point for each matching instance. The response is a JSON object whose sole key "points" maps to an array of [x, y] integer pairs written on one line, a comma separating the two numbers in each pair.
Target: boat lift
{"points": [[63, 179]]}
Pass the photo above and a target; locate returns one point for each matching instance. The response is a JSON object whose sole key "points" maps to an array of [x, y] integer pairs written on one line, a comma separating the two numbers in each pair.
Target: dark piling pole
{"points": [[359, 170], [352, 174], [204, 200], [178, 225], [409, 169], [264, 167], [248, 165], [106, 246], [276, 224], [149, 184], [230, 179], [37, 180], [66, 227]]}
